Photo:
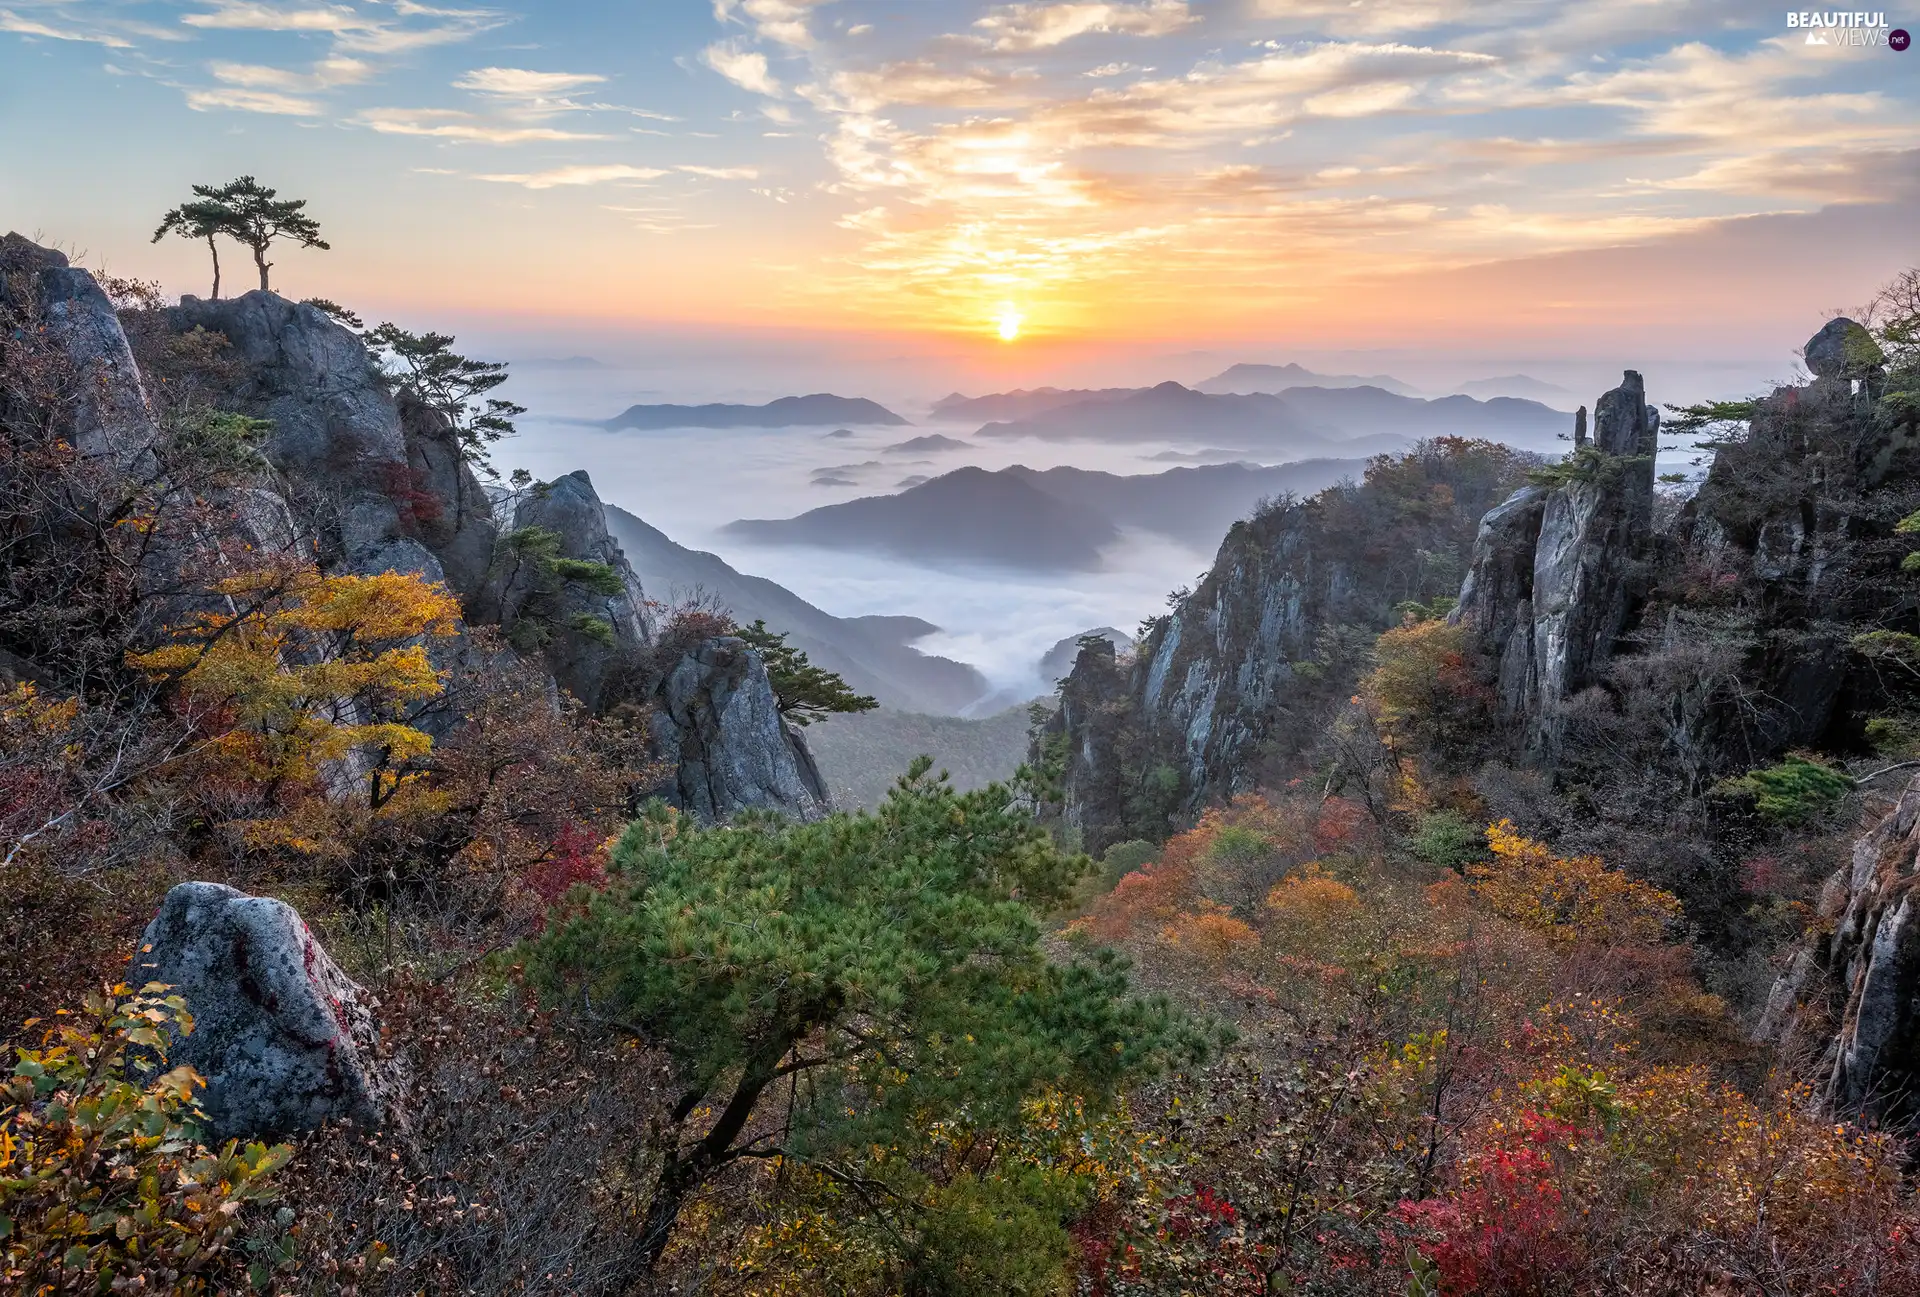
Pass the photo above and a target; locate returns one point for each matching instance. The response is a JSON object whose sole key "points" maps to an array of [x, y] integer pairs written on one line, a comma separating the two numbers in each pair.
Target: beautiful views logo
{"points": [[1856, 28]]}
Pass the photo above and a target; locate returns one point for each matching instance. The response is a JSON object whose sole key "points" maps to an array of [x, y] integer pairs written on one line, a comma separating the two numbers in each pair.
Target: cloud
{"points": [[720, 173], [745, 68], [1027, 27], [323, 75], [353, 30], [238, 15], [519, 83], [781, 21], [21, 26], [252, 101], [576, 175], [450, 124]]}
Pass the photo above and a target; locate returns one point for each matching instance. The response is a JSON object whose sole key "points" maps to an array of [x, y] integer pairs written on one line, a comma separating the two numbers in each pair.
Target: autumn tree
{"points": [[804, 693], [831, 988], [309, 670]]}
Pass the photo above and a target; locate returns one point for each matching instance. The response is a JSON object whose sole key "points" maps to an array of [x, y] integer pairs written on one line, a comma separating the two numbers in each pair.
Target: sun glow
{"points": [[1009, 321]]}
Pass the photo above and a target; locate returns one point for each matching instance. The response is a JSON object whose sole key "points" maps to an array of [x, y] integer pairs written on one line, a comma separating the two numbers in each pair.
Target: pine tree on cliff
{"points": [[256, 217], [203, 218]]}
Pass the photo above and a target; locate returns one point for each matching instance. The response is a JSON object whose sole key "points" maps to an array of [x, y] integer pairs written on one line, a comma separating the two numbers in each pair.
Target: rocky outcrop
{"points": [[1233, 687], [717, 721], [285, 1040], [589, 633], [106, 408], [384, 492], [1559, 570], [1851, 996]]}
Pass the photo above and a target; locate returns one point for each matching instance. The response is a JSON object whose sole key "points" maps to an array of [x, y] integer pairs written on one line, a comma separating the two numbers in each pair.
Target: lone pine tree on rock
{"points": [[248, 212]]}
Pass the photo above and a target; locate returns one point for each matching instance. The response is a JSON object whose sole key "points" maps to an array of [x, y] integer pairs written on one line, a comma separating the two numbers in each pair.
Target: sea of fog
{"points": [[691, 482]]}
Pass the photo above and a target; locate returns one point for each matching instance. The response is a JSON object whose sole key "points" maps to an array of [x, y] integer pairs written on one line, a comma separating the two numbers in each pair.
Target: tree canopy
{"points": [[830, 988]]}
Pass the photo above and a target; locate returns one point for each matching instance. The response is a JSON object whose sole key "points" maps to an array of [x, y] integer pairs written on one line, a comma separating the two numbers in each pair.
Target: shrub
{"points": [[103, 1183], [1797, 791]]}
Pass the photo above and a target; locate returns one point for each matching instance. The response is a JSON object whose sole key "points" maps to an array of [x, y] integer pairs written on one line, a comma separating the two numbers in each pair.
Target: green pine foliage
{"points": [[831, 992], [1796, 791], [804, 693]]}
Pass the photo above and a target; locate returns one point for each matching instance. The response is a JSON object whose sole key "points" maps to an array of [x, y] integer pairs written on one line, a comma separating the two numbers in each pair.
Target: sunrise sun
{"points": [[1008, 321]]}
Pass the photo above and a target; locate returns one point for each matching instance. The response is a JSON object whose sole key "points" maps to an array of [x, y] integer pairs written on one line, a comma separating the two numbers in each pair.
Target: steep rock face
{"points": [[1589, 565], [1853, 993], [108, 414], [1496, 600], [285, 1040], [717, 721], [445, 505], [1232, 688], [384, 493], [527, 592], [1558, 572]]}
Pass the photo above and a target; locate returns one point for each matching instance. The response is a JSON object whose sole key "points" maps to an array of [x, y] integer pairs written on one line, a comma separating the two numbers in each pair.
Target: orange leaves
{"points": [[1211, 934], [1570, 898]]}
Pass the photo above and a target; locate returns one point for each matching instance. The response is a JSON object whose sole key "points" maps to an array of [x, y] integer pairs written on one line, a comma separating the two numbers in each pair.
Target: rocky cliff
{"points": [[348, 469], [1619, 636], [1231, 687], [1851, 997]]}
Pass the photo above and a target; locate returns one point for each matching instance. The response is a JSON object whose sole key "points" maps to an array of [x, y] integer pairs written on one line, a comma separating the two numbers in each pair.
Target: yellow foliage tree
{"points": [[1569, 898], [307, 669]]}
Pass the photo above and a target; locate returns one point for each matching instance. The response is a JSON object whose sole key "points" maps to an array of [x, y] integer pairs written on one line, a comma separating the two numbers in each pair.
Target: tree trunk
{"points": [[260, 260], [685, 1173], [214, 248]]}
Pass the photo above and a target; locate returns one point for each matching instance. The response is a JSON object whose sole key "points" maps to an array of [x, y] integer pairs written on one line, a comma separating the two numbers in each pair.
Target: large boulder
{"points": [[285, 1040], [717, 721]]}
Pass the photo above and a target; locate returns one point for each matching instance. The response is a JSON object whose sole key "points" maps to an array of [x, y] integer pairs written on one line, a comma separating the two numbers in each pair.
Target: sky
{"points": [[1107, 179]]}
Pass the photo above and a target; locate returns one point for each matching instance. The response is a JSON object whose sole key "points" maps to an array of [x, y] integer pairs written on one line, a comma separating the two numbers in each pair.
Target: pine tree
{"points": [[832, 988], [203, 218], [255, 216]]}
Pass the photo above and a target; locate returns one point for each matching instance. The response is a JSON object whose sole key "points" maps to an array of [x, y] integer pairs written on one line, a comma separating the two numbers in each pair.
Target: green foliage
{"points": [[104, 1186], [1717, 423], [892, 961], [219, 440], [1122, 858], [597, 629], [1586, 463], [1796, 791], [600, 578], [804, 693], [993, 1236], [546, 575], [426, 365], [247, 212], [1434, 609], [1446, 838]]}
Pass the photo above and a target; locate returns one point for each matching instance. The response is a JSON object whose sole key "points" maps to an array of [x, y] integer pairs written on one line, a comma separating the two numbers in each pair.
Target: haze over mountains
{"points": [[788, 412], [1299, 421], [1247, 379], [1045, 519], [873, 654]]}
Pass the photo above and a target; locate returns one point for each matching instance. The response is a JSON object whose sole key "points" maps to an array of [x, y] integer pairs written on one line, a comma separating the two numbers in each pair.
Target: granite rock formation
{"points": [[285, 1040], [716, 719]]}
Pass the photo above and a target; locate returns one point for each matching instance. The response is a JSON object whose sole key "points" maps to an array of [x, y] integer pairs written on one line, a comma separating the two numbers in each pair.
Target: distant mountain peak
{"points": [[816, 409]]}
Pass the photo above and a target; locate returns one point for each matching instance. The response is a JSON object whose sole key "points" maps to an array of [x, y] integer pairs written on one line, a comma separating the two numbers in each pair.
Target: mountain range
{"points": [[1246, 379], [1021, 403], [1299, 421], [872, 654], [1051, 519], [788, 412]]}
